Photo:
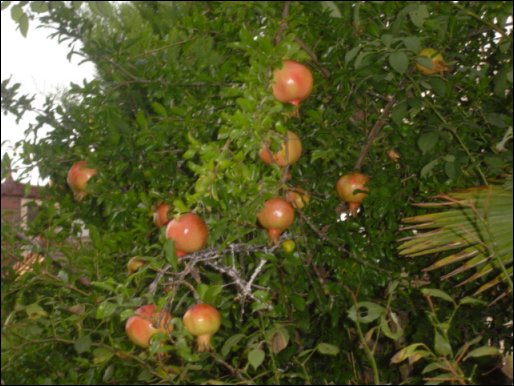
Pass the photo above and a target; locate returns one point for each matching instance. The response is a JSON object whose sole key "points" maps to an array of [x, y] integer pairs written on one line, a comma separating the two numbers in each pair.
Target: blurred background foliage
{"points": [[177, 112]]}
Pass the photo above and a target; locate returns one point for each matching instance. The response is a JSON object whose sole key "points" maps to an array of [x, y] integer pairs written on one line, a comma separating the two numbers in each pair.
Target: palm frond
{"points": [[473, 229]]}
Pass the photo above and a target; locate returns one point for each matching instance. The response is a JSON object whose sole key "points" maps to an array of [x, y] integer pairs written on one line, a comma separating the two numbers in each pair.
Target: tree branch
{"points": [[310, 52], [211, 258], [283, 23], [379, 124]]}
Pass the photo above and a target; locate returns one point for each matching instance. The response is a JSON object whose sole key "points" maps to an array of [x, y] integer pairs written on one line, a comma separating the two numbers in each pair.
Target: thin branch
{"points": [[210, 258], [283, 23], [233, 370], [307, 49], [337, 245], [379, 124]]}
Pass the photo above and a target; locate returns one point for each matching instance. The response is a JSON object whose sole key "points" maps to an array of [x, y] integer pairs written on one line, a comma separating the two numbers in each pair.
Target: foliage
{"points": [[177, 113], [478, 224]]}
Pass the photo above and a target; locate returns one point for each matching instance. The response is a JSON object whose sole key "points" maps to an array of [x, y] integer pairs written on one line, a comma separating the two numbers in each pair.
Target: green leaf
{"points": [[170, 253], [419, 15], [298, 302], [470, 300], [437, 293], [442, 345], [424, 61], [212, 293], [412, 43], [438, 85], [332, 7], [256, 357], [399, 112], [5, 4], [38, 6], [24, 25], [141, 120], [411, 352], [105, 310], [394, 333], [365, 312], [428, 141], [482, 352], [101, 355], [17, 13], [230, 343], [387, 39], [95, 237], [82, 344], [348, 57], [451, 170], [327, 349], [359, 61], [399, 61], [427, 169], [159, 109], [35, 311], [102, 8]]}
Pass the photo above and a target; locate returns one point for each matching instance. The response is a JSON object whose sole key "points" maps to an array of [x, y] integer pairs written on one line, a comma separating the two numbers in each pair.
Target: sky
{"points": [[40, 65]]}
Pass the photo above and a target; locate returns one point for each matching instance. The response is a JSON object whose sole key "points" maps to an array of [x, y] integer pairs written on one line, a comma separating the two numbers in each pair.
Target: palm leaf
{"points": [[472, 231]]}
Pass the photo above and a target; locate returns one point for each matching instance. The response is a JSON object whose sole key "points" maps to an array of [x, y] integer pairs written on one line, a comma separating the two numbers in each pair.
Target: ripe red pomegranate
{"points": [[160, 216], [78, 176], [202, 321], [189, 233], [346, 186], [290, 151], [292, 83], [276, 216], [145, 323]]}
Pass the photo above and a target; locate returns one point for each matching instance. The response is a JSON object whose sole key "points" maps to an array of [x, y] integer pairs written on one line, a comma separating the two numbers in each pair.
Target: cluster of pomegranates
{"points": [[200, 320], [292, 84]]}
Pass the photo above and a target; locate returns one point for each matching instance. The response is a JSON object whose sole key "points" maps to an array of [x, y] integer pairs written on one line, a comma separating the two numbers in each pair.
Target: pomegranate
{"points": [[189, 233], [292, 83], [78, 176], [160, 216], [288, 246], [298, 197], [146, 323], [346, 187], [438, 63], [202, 321], [290, 151], [276, 216]]}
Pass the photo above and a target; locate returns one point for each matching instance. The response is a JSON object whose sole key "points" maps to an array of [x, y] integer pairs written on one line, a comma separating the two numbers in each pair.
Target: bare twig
{"points": [[283, 23], [232, 369], [379, 124], [211, 258], [310, 52]]}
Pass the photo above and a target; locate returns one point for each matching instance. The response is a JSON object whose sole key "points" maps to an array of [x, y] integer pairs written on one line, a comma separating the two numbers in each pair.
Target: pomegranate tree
{"points": [[290, 151], [292, 83], [276, 216], [78, 176], [160, 216], [347, 187], [189, 233], [147, 322], [202, 321]]}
